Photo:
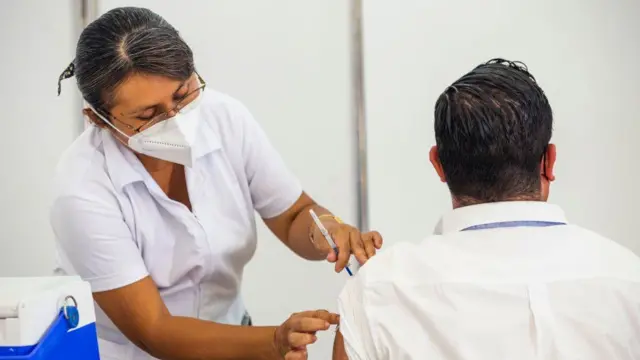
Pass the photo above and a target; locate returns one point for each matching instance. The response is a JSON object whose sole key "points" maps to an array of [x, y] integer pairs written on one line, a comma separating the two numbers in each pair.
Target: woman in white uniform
{"points": [[155, 203]]}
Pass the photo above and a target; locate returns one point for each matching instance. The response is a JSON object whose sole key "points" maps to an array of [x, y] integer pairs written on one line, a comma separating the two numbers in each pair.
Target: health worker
{"points": [[154, 203]]}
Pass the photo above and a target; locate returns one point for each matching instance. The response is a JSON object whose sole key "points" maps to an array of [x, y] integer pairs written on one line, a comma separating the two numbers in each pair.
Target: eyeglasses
{"points": [[179, 105]]}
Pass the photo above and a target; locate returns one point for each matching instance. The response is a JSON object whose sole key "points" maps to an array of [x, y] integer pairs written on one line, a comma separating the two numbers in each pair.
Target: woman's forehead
{"points": [[140, 91]]}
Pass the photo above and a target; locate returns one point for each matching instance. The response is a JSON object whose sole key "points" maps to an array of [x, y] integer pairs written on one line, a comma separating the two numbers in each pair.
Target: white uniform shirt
{"points": [[557, 292], [114, 225]]}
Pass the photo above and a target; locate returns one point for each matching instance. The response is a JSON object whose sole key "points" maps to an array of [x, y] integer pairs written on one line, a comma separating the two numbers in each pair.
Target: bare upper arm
{"points": [[136, 309], [280, 225], [339, 353]]}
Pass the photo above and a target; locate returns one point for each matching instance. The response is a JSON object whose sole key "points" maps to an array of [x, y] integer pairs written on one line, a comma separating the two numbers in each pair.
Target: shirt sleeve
{"points": [[95, 242], [354, 325], [274, 189]]}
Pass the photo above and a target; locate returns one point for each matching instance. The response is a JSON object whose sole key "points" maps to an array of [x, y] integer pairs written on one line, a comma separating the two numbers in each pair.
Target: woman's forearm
{"points": [[303, 230], [183, 338]]}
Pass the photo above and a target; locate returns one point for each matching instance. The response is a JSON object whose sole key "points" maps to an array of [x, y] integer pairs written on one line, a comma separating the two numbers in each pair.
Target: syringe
{"points": [[327, 236]]}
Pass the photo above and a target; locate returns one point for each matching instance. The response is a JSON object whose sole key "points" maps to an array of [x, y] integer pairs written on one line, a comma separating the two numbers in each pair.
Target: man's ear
{"points": [[549, 161], [93, 118], [435, 161]]}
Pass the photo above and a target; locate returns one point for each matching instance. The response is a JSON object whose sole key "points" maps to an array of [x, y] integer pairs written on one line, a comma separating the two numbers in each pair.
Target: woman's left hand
{"points": [[349, 240]]}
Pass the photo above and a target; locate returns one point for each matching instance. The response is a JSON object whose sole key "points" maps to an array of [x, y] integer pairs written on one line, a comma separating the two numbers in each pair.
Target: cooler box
{"points": [[47, 318]]}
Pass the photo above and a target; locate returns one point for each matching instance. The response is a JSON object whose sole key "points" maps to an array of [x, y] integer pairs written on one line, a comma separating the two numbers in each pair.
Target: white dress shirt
{"points": [[114, 225], [554, 292]]}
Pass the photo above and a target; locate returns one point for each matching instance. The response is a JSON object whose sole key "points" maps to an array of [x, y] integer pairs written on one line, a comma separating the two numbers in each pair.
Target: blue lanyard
{"points": [[509, 224]]}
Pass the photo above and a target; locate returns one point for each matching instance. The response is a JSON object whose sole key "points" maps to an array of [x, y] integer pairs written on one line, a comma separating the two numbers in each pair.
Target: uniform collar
{"points": [[464, 217], [123, 166]]}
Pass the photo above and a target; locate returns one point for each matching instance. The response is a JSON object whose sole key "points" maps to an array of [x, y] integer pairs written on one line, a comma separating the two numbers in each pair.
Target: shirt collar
{"points": [[208, 139], [121, 162], [464, 217]]}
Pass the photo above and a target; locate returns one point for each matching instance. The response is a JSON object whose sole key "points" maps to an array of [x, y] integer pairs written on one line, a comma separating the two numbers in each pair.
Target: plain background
{"points": [[289, 62]]}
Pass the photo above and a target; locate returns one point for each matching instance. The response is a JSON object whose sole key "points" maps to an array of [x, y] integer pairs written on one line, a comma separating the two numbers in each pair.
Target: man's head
{"points": [[493, 128]]}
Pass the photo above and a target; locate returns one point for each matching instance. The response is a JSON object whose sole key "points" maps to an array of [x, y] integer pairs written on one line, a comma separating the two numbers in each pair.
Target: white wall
{"points": [[38, 42], [585, 55], [288, 61]]}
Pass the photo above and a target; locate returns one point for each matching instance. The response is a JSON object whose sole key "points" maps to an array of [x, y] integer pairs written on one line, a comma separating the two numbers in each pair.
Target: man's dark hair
{"points": [[492, 128]]}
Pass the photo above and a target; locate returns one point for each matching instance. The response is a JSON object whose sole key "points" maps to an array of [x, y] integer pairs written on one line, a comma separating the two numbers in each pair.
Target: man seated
{"points": [[504, 276]]}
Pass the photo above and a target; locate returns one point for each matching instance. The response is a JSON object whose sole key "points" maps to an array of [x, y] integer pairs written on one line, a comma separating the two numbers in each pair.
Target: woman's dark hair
{"points": [[122, 42], [492, 129]]}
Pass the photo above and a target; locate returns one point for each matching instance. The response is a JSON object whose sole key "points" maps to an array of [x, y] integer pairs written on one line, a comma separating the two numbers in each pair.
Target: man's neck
{"points": [[461, 201]]}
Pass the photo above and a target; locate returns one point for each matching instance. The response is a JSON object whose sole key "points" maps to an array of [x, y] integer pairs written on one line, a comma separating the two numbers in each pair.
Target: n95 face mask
{"points": [[171, 139]]}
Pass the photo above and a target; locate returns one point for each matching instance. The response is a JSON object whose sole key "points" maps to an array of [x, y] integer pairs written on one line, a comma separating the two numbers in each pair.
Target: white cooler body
{"points": [[29, 307]]}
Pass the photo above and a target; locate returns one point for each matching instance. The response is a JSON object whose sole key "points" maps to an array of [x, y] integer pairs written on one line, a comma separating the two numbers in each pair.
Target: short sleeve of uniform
{"points": [[354, 325], [94, 241], [274, 189]]}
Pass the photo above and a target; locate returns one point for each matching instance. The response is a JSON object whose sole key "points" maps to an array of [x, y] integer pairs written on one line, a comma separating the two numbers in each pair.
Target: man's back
{"points": [[542, 289]]}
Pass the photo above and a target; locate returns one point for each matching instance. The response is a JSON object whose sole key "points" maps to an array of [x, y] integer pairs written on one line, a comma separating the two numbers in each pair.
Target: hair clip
{"points": [[67, 73]]}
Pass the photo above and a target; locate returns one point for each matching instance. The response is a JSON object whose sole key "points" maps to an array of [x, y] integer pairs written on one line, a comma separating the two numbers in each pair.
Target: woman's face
{"points": [[143, 100]]}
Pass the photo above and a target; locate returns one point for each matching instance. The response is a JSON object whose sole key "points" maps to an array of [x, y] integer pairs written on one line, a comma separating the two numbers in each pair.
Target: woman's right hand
{"points": [[293, 336]]}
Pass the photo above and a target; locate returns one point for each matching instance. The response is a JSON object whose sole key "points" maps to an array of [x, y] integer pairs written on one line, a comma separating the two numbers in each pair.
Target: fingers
{"points": [[300, 340], [369, 246], [350, 241], [377, 239], [309, 324], [296, 355], [332, 257], [329, 317], [301, 329], [342, 239], [357, 246]]}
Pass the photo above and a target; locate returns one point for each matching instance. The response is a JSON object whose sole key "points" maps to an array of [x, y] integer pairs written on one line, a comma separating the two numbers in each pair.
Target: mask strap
{"points": [[108, 122]]}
